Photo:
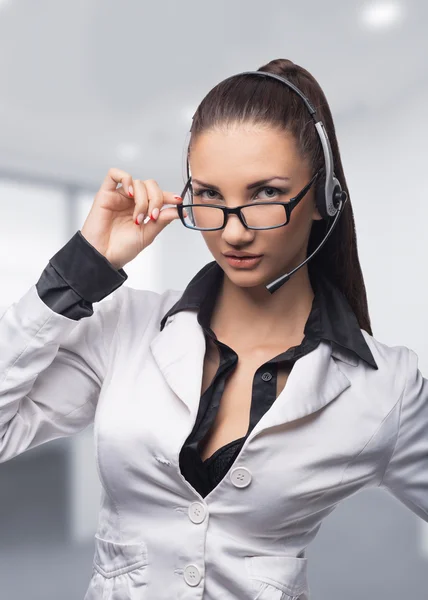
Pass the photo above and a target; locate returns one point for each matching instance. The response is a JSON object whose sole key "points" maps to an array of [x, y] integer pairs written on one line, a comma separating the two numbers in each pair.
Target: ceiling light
{"points": [[381, 15]]}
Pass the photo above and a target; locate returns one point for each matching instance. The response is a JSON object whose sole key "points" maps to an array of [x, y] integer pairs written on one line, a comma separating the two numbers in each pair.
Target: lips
{"points": [[243, 255], [239, 262]]}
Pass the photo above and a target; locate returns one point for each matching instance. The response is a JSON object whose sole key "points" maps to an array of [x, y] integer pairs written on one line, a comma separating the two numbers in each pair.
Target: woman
{"points": [[229, 420]]}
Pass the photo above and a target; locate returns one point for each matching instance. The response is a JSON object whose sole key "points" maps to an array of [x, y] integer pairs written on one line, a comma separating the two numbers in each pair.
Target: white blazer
{"points": [[338, 426]]}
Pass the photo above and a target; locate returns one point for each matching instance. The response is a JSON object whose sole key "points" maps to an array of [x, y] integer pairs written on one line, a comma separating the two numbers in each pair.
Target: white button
{"points": [[240, 477], [192, 575], [197, 512]]}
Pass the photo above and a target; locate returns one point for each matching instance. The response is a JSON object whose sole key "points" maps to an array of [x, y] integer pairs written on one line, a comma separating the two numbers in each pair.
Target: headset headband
{"points": [[332, 187]]}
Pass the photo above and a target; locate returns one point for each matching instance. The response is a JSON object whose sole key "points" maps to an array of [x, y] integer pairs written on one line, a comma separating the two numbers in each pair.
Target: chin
{"points": [[247, 277]]}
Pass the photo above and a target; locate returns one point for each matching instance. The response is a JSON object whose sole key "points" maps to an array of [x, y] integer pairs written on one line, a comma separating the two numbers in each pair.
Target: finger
{"points": [[169, 214], [168, 199], [141, 201], [156, 201], [166, 216], [155, 198], [113, 177], [127, 188], [171, 198]]}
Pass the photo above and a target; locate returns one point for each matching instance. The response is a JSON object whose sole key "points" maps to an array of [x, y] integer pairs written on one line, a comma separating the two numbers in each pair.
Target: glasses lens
{"points": [[258, 216], [264, 215], [203, 217]]}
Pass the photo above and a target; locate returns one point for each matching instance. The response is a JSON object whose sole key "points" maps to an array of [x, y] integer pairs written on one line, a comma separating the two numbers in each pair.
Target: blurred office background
{"points": [[90, 84]]}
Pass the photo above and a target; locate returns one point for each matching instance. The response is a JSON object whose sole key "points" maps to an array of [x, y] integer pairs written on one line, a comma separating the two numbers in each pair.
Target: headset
{"points": [[330, 199]]}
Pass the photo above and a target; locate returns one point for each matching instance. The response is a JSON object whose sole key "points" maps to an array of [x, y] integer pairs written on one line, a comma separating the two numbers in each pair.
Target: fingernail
{"points": [[139, 219], [131, 191], [177, 197], [155, 214]]}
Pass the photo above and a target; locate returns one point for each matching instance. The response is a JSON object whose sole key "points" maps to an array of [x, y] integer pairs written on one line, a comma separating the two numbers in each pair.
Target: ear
{"points": [[316, 215]]}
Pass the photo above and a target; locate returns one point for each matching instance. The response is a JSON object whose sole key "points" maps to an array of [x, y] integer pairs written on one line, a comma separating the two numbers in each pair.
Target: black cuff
{"points": [[86, 270], [59, 296]]}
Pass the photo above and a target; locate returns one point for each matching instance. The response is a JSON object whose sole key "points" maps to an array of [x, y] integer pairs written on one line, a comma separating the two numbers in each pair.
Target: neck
{"points": [[254, 316]]}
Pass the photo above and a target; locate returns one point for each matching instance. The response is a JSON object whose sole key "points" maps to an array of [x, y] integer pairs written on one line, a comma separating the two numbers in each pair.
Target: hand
{"points": [[111, 223]]}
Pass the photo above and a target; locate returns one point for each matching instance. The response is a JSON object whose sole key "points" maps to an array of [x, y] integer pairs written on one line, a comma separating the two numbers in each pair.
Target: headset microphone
{"points": [[277, 283]]}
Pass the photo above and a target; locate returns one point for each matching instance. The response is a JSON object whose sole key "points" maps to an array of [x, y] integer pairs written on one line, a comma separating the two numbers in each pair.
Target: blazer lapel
{"points": [[179, 351], [315, 380]]}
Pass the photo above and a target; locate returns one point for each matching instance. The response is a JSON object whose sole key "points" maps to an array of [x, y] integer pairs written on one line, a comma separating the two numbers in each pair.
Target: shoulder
{"points": [[386, 356], [144, 307], [396, 364]]}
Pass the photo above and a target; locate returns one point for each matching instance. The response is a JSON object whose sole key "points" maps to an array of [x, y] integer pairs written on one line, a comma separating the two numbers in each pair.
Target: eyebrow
{"points": [[249, 187]]}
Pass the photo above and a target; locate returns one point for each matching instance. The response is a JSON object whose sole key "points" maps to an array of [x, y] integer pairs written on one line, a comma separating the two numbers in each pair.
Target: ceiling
{"points": [[90, 84]]}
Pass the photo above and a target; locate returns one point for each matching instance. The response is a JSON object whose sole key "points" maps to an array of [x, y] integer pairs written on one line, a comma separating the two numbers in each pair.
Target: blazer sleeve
{"points": [[53, 360], [406, 474]]}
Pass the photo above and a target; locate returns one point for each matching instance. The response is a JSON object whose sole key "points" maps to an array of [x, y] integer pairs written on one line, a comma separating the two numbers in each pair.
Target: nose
{"points": [[234, 233]]}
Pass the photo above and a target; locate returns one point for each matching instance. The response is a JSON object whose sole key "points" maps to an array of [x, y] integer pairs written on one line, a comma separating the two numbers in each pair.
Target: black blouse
{"points": [[79, 275]]}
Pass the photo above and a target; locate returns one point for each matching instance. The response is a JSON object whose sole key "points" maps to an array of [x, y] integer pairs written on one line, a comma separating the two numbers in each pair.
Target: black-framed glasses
{"points": [[257, 215]]}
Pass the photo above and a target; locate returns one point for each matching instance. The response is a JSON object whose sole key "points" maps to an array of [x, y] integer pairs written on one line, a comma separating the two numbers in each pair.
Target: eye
{"points": [[276, 191], [273, 193], [200, 193]]}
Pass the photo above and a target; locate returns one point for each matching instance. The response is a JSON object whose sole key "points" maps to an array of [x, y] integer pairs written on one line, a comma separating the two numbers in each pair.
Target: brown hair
{"points": [[244, 98]]}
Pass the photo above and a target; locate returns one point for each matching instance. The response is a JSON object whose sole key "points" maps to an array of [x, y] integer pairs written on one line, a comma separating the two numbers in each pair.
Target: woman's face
{"points": [[229, 161]]}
